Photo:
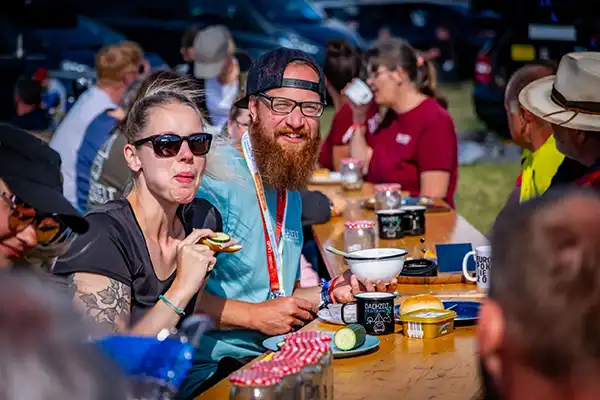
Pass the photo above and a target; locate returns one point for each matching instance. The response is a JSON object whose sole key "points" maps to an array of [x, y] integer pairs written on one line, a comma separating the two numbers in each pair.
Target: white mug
{"points": [[483, 265]]}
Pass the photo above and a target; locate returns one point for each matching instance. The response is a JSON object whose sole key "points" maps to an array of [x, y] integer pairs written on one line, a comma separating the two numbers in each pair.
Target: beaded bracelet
{"points": [[173, 306]]}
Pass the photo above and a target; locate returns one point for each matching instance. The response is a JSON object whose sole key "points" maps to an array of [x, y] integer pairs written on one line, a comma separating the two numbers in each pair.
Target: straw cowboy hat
{"points": [[571, 98]]}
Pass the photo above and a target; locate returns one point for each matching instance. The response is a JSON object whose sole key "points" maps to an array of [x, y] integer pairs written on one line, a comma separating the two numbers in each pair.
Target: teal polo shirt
{"points": [[244, 275]]}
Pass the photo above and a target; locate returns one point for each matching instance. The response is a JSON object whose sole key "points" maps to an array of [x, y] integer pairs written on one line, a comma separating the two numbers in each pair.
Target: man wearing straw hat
{"points": [[570, 102]]}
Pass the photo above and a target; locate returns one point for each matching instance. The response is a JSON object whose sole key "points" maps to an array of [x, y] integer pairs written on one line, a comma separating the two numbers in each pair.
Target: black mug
{"points": [[390, 224], [413, 220], [374, 311]]}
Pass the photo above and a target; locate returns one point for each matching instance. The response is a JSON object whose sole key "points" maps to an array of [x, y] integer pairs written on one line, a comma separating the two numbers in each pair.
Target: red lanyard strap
{"points": [[274, 244]]}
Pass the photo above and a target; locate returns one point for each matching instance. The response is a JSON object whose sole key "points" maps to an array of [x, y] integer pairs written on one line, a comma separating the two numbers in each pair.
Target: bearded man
{"points": [[255, 293]]}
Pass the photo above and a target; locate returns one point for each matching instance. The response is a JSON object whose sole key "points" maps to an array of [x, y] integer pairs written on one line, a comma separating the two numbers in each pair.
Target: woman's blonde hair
{"points": [[165, 87]]}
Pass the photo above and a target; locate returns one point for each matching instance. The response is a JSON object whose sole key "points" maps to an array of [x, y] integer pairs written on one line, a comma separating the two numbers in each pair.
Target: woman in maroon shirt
{"points": [[342, 64], [415, 144]]}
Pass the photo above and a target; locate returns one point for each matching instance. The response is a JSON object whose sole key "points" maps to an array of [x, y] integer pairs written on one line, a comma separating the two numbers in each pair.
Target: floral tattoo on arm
{"points": [[109, 305]]}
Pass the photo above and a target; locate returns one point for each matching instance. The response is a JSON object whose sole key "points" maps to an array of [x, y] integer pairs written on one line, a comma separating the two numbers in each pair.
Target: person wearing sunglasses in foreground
{"points": [[140, 268], [256, 292], [35, 218]]}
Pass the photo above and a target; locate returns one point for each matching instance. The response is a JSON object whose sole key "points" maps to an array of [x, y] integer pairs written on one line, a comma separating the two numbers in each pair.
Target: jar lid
{"points": [[359, 224], [350, 161], [382, 187], [285, 367], [321, 347], [255, 377], [304, 356], [308, 336]]}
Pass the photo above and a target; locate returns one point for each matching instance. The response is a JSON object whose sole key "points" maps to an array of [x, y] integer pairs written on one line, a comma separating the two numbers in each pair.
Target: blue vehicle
{"points": [[66, 46], [159, 25], [299, 16]]}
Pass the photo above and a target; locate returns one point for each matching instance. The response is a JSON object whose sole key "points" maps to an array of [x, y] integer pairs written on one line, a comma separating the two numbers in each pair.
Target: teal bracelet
{"points": [[175, 308]]}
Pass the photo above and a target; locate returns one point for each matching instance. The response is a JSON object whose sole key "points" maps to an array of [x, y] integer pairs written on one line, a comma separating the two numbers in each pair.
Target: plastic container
{"points": [[250, 384], [428, 323]]}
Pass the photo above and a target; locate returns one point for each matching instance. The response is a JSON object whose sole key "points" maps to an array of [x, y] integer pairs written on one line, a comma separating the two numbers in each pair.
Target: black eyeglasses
{"points": [[283, 106], [169, 144]]}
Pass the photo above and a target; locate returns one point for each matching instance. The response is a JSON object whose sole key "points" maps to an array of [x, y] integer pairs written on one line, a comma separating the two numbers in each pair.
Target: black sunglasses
{"points": [[169, 144]]}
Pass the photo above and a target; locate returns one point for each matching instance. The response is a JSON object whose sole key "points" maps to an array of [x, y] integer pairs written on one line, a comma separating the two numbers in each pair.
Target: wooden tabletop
{"points": [[402, 368], [440, 228]]}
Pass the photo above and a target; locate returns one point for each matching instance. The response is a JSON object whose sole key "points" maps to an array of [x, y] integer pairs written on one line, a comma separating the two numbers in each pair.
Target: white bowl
{"points": [[379, 264]]}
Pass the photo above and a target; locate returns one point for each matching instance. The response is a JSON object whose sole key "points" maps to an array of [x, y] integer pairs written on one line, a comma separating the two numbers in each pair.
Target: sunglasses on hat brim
{"points": [[49, 228]]}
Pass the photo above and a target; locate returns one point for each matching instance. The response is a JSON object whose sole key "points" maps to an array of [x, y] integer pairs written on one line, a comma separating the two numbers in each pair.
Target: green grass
{"points": [[482, 188]]}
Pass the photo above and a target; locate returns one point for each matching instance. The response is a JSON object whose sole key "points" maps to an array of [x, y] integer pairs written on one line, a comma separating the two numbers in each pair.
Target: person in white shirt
{"points": [[217, 71], [116, 69]]}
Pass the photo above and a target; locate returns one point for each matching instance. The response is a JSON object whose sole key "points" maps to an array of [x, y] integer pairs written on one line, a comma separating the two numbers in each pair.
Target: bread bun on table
{"points": [[321, 173], [419, 302]]}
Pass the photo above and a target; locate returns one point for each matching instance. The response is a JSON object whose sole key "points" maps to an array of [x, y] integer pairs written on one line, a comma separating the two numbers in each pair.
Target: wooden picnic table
{"points": [[402, 368]]}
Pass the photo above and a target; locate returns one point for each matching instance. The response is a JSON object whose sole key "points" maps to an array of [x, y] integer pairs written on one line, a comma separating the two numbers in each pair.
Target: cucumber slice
{"points": [[220, 237], [350, 337]]}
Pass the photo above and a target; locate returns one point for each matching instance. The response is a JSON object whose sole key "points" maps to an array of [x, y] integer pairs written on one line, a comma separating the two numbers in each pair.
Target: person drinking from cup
{"points": [[343, 63], [416, 144], [35, 218], [570, 103], [141, 267], [538, 329], [255, 293]]}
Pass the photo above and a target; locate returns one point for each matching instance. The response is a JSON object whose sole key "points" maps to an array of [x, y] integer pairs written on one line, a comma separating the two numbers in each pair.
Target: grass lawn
{"points": [[482, 188]]}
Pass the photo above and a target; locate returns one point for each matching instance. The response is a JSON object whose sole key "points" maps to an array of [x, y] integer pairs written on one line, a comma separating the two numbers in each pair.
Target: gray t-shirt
{"points": [[109, 173]]}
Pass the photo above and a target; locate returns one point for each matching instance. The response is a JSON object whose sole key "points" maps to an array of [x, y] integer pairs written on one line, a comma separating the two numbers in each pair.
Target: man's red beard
{"points": [[284, 167]]}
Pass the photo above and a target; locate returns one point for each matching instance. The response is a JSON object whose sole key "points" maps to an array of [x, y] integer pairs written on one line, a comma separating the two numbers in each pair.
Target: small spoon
{"points": [[342, 253]]}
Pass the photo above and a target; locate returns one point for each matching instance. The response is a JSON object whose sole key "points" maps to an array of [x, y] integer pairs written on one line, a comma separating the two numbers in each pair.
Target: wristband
{"points": [[173, 306], [325, 296], [331, 287]]}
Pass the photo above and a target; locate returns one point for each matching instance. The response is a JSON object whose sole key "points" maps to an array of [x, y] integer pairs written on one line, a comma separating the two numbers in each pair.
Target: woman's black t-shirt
{"points": [[115, 247]]}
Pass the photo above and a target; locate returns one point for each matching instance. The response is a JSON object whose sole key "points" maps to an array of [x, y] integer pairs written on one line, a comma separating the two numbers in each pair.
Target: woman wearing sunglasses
{"points": [[35, 219], [141, 266]]}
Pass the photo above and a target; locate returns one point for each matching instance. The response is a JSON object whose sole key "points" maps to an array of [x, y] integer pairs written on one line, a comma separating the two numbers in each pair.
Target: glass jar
{"points": [[359, 235], [320, 342], [291, 381], [249, 384], [313, 374], [388, 196], [351, 173]]}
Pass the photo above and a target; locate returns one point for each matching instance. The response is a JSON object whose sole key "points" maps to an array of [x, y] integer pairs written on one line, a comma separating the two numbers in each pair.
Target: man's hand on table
{"points": [[282, 315], [347, 285]]}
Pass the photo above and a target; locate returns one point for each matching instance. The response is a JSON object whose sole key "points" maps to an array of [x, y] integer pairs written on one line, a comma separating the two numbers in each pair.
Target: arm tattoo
{"points": [[109, 307]]}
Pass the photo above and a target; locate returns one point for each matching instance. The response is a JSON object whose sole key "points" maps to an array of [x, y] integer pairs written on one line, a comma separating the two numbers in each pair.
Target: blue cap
{"points": [[266, 73]]}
